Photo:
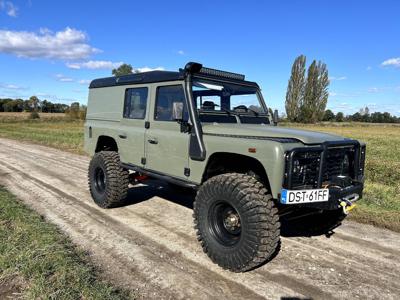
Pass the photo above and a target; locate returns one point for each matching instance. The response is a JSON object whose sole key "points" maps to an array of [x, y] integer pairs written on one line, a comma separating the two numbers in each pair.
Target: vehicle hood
{"points": [[267, 131]]}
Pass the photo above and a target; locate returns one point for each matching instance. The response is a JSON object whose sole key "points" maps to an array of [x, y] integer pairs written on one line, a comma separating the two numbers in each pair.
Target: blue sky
{"points": [[52, 49]]}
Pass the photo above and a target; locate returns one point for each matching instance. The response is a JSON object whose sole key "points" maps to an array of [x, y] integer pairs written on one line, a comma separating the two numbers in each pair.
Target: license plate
{"points": [[304, 196]]}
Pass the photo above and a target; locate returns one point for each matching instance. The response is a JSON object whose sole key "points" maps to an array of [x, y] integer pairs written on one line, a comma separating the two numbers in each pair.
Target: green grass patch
{"points": [[40, 262], [60, 133]]}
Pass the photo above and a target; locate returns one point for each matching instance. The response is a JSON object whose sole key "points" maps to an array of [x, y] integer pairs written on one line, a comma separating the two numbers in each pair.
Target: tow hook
{"points": [[347, 203]]}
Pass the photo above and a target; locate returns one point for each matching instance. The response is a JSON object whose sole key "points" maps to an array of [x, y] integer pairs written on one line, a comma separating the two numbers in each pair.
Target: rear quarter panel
{"points": [[104, 113]]}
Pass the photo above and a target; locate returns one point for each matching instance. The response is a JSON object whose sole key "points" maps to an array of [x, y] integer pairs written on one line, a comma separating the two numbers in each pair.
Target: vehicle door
{"points": [[167, 148]]}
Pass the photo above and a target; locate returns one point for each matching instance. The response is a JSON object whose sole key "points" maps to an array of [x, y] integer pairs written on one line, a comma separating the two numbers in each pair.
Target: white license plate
{"points": [[304, 196]]}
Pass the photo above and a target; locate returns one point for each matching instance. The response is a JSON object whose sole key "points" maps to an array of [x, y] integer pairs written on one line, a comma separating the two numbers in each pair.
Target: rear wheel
{"points": [[236, 221], [108, 181]]}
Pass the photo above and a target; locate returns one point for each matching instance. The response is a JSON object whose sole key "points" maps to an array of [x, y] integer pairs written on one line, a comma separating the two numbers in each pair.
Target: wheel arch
{"points": [[226, 162], [106, 143]]}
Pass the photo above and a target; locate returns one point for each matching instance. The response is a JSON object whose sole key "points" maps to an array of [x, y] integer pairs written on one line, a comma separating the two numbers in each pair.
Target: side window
{"points": [[166, 96], [135, 103]]}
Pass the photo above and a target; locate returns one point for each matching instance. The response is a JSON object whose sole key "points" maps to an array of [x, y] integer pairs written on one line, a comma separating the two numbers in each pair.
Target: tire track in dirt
{"points": [[201, 276], [160, 230]]}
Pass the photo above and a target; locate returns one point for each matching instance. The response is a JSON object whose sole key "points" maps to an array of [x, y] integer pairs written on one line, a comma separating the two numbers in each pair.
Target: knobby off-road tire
{"points": [[108, 181], [256, 236]]}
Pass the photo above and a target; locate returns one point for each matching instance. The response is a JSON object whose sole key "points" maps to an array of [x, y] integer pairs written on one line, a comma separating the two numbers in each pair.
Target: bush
{"points": [[34, 115]]}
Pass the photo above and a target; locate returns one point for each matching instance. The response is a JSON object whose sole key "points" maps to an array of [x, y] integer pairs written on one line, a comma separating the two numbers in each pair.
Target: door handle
{"points": [[122, 136], [153, 141]]}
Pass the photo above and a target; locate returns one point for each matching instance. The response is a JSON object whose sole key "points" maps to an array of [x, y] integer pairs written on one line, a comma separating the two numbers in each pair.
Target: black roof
{"points": [[159, 76], [145, 77]]}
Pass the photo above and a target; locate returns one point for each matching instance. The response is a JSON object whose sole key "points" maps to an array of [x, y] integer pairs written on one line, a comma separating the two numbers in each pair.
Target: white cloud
{"points": [[95, 64], [374, 90], [62, 78], [337, 78], [70, 44], [9, 8], [395, 62], [7, 86], [381, 89], [147, 69], [106, 64], [84, 81], [332, 94], [369, 68], [181, 52]]}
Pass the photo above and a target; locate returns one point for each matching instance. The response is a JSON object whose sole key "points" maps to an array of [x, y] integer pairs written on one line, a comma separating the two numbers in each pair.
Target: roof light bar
{"points": [[219, 73], [193, 67]]}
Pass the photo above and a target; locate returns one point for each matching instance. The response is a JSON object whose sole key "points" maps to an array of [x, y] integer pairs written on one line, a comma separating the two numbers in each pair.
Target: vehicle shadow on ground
{"points": [[154, 188], [185, 197]]}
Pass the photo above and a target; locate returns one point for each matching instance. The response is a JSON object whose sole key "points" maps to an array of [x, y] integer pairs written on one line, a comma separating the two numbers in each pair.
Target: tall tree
{"points": [[339, 117], [315, 94], [328, 115], [123, 69], [34, 102], [295, 89], [322, 91]]}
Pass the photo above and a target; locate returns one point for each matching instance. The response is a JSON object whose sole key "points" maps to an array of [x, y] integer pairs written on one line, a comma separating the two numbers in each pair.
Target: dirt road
{"points": [[149, 244]]}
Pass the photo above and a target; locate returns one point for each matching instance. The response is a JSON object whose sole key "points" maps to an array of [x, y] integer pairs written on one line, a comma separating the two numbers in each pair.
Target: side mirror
{"points": [[275, 118], [177, 111]]}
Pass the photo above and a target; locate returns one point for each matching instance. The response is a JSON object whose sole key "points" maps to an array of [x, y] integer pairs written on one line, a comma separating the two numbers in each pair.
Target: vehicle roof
{"points": [[137, 78], [156, 76]]}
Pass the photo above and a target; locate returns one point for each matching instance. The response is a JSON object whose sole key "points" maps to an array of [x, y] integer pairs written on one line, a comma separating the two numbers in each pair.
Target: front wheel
{"points": [[236, 221]]}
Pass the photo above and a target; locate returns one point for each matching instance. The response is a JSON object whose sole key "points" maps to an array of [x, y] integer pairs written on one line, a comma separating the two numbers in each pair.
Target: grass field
{"points": [[53, 130], [37, 261], [380, 205]]}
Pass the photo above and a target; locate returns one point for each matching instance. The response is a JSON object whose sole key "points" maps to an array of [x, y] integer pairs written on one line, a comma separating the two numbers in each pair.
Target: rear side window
{"points": [[166, 96], [135, 103]]}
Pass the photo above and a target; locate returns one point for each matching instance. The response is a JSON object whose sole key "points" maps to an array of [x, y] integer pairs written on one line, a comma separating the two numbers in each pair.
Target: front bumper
{"points": [[350, 193]]}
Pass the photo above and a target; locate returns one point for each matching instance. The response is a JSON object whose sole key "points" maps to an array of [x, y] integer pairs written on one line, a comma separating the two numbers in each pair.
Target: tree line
{"points": [[363, 115], [34, 105], [31, 104]]}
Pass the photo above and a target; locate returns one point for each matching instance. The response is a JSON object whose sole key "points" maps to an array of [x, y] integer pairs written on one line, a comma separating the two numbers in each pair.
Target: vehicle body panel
{"points": [[170, 154]]}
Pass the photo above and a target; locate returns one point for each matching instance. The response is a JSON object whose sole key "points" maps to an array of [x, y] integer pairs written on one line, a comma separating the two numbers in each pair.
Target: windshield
{"points": [[222, 102]]}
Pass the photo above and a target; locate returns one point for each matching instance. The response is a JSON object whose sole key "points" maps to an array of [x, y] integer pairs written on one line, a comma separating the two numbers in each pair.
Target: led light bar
{"points": [[219, 73]]}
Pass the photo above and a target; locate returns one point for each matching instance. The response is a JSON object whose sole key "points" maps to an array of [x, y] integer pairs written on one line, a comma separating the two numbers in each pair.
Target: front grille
{"points": [[336, 165], [305, 173], [304, 169]]}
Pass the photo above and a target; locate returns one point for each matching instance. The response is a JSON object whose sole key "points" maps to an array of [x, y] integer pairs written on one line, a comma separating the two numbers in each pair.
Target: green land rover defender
{"points": [[211, 131]]}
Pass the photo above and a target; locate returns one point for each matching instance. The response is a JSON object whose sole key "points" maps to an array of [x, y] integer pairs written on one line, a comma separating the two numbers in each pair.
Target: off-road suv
{"points": [[210, 130]]}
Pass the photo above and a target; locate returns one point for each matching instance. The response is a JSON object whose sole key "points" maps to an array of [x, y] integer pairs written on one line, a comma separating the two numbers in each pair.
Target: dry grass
{"points": [[18, 116], [52, 130]]}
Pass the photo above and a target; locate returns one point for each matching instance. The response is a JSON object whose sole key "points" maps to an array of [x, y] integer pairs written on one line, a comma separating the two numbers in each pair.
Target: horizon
{"points": [[55, 55]]}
